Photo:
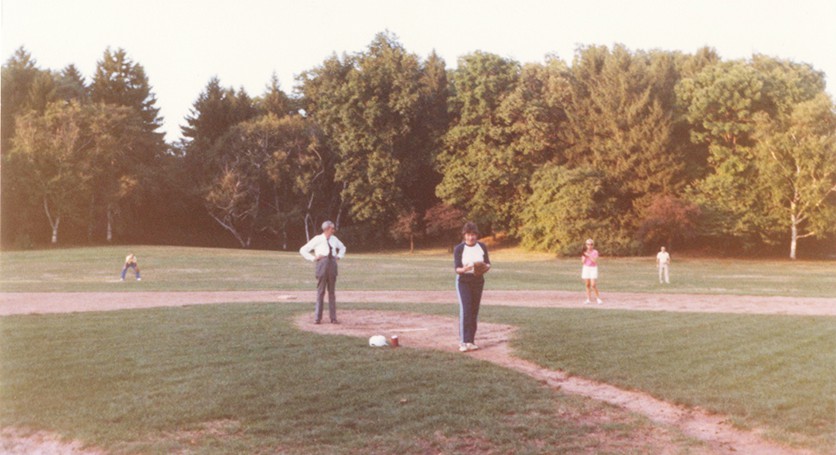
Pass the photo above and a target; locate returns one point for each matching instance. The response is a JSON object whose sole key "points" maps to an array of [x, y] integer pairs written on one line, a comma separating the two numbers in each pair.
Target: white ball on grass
{"points": [[377, 341]]}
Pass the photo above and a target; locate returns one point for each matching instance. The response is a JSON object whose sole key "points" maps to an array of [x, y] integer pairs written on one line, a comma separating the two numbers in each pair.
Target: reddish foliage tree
{"points": [[669, 220], [442, 220]]}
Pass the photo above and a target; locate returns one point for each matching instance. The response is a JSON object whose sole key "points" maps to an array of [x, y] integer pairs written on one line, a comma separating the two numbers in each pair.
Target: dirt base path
{"points": [[67, 302], [435, 332]]}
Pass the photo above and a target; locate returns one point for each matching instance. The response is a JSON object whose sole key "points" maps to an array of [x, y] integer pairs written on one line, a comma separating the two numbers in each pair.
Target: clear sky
{"points": [[183, 43]]}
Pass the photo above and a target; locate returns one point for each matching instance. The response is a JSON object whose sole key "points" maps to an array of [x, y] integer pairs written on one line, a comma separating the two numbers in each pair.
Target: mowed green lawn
{"points": [[208, 269], [241, 378]]}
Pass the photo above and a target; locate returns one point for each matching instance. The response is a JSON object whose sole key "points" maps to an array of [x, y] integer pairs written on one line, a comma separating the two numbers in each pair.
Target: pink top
{"points": [[591, 258]]}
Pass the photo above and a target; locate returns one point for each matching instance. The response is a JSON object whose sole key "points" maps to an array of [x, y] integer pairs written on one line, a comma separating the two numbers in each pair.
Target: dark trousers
{"points": [[326, 280], [469, 289]]}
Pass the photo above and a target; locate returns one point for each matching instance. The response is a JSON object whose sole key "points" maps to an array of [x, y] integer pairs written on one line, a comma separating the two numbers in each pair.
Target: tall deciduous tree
{"points": [[796, 156], [721, 102], [298, 170], [479, 169], [115, 132], [266, 172], [18, 212], [369, 106], [50, 150]]}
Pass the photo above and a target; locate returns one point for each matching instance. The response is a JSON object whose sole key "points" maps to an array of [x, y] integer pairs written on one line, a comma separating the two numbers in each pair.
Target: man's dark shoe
{"points": [[334, 321]]}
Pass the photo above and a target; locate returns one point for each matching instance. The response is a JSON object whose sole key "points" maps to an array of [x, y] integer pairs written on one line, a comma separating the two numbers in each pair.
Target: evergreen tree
{"points": [[620, 120], [71, 85], [275, 101], [121, 82]]}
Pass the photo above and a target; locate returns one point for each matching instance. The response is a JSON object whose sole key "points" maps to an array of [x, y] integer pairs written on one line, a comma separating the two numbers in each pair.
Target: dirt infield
{"points": [[433, 332], [68, 302]]}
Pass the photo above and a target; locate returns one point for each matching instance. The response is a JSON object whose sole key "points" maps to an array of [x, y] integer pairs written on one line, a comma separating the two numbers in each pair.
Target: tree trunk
{"points": [[52, 222], [109, 223], [794, 237], [91, 223], [284, 237], [411, 243], [55, 230]]}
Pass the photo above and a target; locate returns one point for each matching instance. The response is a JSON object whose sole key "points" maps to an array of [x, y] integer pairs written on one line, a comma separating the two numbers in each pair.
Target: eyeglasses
{"points": [[590, 244]]}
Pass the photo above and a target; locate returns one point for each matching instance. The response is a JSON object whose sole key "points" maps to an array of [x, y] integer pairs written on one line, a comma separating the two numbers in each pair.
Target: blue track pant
{"points": [[469, 289]]}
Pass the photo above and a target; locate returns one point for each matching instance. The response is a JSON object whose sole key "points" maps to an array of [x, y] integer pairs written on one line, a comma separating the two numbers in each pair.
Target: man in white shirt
{"points": [[663, 262], [327, 249]]}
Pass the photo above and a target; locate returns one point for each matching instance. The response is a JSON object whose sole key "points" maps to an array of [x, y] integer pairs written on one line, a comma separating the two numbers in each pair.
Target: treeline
{"points": [[634, 148]]}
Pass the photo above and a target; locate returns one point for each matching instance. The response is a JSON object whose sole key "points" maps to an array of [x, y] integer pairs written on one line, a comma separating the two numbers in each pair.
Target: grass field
{"points": [[152, 380], [205, 269]]}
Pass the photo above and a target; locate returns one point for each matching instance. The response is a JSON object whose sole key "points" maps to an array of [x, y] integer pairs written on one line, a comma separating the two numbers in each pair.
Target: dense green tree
{"points": [[480, 171], [726, 104], [426, 134], [369, 105], [620, 120], [567, 206], [535, 112], [721, 102]]}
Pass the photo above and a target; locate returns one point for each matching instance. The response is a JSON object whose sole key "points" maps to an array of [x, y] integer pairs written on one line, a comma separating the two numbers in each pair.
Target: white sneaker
{"points": [[587, 302], [139, 279], [462, 347], [600, 301], [472, 347]]}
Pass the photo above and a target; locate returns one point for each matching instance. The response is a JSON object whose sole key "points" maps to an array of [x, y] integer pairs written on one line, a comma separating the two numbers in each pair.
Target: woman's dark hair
{"points": [[470, 228]]}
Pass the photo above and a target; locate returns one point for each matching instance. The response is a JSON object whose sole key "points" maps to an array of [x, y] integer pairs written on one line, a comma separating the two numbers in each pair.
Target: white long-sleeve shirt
{"points": [[319, 245]]}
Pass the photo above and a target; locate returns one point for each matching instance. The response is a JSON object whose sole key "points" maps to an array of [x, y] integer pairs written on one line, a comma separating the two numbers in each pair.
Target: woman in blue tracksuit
{"points": [[472, 262]]}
